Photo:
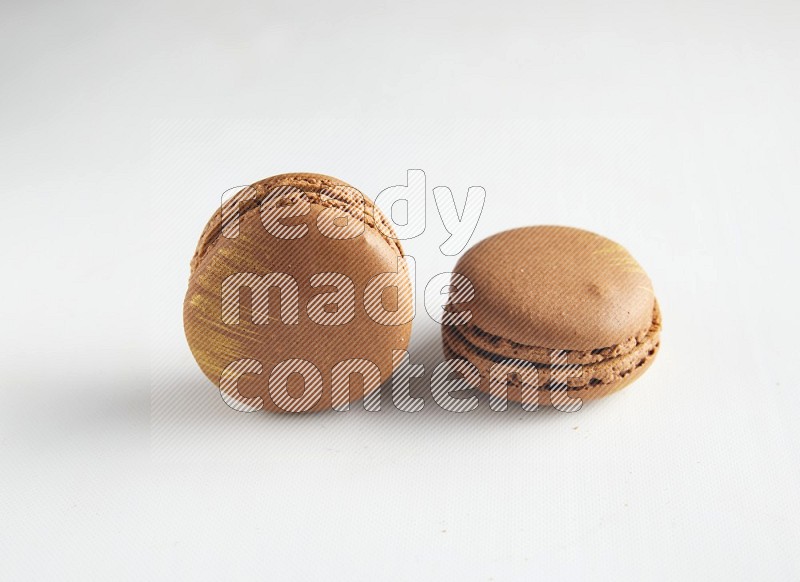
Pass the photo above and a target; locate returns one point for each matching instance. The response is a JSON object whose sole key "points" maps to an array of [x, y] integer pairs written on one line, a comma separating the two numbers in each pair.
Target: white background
{"points": [[671, 127]]}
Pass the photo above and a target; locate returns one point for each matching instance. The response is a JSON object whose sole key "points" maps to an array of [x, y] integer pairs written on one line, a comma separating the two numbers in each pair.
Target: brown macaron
{"points": [[572, 305], [298, 295]]}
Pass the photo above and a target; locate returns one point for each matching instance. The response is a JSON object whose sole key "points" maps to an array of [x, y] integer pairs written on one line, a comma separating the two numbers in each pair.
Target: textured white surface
{"points": [[671, 128]]}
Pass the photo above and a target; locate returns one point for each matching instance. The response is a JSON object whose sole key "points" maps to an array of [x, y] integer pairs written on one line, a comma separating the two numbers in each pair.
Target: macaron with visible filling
{"points": [[568, 303], [297, 296]]}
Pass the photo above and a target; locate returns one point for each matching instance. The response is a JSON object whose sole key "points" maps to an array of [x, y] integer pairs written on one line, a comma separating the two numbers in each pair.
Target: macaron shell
{"points": [[485, 342], [604, 371], [216, 345], [323, 190], [587, 392], [595, 381], [557, 287]]}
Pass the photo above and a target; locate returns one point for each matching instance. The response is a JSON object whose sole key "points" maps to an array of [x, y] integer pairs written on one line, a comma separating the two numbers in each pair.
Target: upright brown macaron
{"points": [[572, 304], [298, 295]]}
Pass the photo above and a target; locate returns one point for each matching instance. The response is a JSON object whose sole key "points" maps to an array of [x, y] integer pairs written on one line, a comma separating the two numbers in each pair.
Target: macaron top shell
{"points": [[557, 287], [320, 314]]}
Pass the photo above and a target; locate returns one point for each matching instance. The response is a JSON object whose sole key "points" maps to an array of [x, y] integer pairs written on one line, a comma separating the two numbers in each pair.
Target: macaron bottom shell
{"points": [[587, 382]]}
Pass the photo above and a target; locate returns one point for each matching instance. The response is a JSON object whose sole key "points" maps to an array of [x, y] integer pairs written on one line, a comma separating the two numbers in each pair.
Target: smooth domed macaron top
{"points": [[557, 287]]}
